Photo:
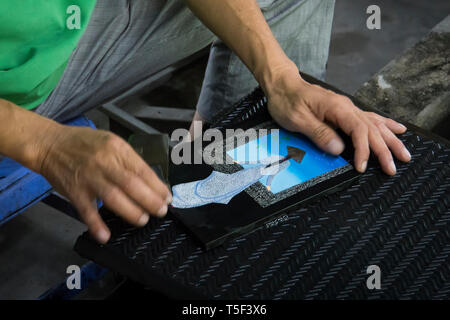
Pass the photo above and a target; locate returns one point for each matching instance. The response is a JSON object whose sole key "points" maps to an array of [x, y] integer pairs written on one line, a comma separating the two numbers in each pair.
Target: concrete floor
{"points": [[36, 247], [35, 251]]}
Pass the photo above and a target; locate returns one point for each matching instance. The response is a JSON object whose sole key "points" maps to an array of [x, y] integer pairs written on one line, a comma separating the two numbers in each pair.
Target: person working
{"points": [[52, 71]]}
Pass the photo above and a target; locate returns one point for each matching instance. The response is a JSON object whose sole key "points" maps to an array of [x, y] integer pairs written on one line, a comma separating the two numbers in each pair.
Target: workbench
{"points": [[321, 251]]}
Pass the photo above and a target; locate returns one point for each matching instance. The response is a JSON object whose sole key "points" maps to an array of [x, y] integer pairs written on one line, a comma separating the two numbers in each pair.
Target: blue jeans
{"points": [[128, 41]]}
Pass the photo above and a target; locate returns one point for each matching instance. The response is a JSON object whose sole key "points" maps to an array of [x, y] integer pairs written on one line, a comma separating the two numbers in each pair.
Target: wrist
{"points": [[282, 79], [275, 74], [39, 148], [24, 135]]}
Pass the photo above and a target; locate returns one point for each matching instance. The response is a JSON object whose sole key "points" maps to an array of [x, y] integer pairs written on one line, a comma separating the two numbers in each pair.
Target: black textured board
{"points": [[213, 224], [321, 251]]}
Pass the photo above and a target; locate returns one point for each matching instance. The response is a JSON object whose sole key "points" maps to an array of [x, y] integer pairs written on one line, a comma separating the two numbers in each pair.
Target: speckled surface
{"points": [[257, 190], [220, 187]]}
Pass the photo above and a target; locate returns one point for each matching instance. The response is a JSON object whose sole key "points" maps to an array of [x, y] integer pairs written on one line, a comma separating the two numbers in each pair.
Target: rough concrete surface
{"points": [[415, 86], [357, 53]]}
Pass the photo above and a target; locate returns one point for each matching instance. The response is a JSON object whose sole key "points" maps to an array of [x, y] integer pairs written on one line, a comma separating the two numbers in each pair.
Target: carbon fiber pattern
{"points": [[252, 108], [321, 251]]}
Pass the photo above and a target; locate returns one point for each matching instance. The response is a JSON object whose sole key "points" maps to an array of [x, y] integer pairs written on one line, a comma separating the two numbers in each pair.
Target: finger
{"points": [[345, 115], [360, 141], [323, 136], [137, 165], [116, 200], [152, 180], [392, 125], [396, 146], [86, 206], [137, 197], [381, 151]]}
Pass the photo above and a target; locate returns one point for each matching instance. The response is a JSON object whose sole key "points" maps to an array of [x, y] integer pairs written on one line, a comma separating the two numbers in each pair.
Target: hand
{"points": [[85, 164], [314, 111]]}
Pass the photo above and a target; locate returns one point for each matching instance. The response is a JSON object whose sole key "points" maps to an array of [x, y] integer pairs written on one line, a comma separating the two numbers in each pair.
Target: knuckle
{"points": [[383, 152], [321, 89], [157, 206], [347, 100], [389, 137], [361, 127], [335, 99], [112, 141], [342, 100], [372, 114], [82, 210], [108, 149], [364, 151], [321, 133], [377, 123], [89, 217], [364, 128], [109, 194], [388, 156], [389, 122], [146, 173], [135, 219], [397, 143], [359, 130], [155, 203], [128, 181], [375, 129]]}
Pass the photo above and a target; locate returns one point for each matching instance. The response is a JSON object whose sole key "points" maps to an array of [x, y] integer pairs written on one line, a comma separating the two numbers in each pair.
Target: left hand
{"points": [[314, 111]]}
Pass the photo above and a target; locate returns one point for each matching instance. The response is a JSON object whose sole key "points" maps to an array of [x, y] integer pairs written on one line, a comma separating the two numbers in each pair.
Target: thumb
{"points": [[322, 135]]}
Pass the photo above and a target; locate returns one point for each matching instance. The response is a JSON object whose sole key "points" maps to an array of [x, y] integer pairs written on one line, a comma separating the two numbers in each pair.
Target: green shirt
{"points": [[37, 38]]}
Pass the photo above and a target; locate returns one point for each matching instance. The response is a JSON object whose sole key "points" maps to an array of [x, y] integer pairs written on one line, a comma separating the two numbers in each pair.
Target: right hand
{"points": [[84, 164], [314, 111]]}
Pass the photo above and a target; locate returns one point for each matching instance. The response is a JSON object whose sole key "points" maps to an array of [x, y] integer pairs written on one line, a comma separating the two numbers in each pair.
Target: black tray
{"points": [[322, 251]]}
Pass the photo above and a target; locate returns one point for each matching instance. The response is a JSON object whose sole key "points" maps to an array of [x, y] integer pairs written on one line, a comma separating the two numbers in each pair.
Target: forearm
{"points": [[241, 25], [23, 134]]}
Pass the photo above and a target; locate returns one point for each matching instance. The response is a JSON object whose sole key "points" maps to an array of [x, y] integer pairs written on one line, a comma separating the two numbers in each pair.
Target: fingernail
{"points": [[143, 220], [162, 212], [403, 127], [169, 198], [103, 236], [363, 166], [335, 146], [392, 167], [406, 154]]}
